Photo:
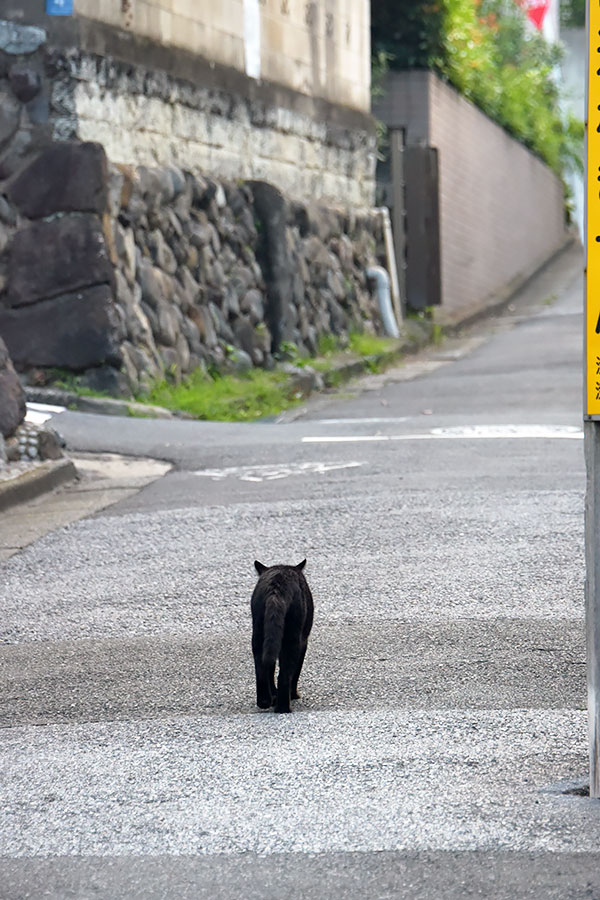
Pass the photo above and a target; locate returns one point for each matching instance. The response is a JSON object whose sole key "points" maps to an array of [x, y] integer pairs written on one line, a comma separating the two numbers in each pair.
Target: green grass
{"points": [[369, 345], [328, 344], [258, 394], [228, 398], [253, 395]]}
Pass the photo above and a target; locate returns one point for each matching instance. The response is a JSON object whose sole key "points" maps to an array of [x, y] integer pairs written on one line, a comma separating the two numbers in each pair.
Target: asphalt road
{"points": [[440, 741]]}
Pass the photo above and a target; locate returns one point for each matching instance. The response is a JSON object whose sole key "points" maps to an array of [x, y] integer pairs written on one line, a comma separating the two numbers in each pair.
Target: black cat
{"points": [[282, 616]]}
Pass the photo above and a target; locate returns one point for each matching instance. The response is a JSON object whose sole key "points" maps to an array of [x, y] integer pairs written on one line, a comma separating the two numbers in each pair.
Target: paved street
{"points": [[441, 736]]}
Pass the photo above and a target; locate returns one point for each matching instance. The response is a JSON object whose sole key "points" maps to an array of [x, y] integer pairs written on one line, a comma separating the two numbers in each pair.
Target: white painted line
{"points": [[274, 472], [351, 439], [372, 421], [38, 413], [475, 432], [511, 431]]}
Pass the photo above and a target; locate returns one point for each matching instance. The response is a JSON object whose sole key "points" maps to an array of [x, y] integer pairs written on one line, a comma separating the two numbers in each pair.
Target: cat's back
{"points": [[286, 580]]}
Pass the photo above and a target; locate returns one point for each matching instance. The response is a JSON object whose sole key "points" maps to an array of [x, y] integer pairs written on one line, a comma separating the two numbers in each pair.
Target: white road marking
{"points": [[474, 432], [372, 421], [274, 472], [38, 413]]}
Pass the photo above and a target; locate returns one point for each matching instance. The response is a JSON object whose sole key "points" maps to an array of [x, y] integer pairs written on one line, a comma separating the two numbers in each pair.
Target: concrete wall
{"points": [[144, 119], [320, 48], [189, 83], [501, 208]]}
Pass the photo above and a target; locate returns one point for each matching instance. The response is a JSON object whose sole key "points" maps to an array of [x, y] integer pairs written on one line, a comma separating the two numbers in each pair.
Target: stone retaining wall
{"points": [[12, 398], [124, 274]]}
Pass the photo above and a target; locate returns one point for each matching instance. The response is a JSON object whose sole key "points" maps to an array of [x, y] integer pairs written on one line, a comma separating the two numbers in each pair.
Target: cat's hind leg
{"points": [[265, 681], [288, 668], [294, 691]]}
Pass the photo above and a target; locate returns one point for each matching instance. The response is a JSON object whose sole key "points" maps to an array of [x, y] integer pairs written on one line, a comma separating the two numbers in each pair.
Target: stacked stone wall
{"points": [[124, 275]]}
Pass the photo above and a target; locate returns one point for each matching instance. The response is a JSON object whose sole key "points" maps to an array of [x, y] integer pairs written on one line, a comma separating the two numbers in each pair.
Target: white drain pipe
{"points": [[390, 256], [382, 280]]}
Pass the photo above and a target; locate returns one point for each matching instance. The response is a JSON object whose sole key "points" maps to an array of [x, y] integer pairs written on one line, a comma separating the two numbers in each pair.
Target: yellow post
{"points": [[593, 214], [592, 392]]}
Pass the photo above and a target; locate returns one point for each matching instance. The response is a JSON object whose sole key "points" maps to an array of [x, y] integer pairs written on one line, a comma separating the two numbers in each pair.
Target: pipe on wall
{"points": [[384, 299]]}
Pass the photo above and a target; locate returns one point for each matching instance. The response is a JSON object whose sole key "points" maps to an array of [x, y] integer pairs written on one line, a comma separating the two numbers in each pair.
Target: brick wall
{"points": [[501, 208]]}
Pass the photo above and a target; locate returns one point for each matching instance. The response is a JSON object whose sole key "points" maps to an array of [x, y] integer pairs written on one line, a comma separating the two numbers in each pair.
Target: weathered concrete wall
{"points": [[320, 48], [156, 102], [153, 119], [501, 208]]}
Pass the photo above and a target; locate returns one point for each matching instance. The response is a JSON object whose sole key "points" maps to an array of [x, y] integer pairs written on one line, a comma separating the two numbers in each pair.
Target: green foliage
{"points": [[225, 398], [328, 344], [409, 32], [485, 50], [257, 394], [572, 13], [369, 345], [438, 334]]}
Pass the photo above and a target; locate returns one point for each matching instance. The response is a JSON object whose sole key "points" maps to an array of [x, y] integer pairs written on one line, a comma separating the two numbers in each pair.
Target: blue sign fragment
{"points": [[59, 7]]}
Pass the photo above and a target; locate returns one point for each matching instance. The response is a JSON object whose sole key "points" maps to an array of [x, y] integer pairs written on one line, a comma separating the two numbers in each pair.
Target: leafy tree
{"points": [[485, 49], [572, 13]]}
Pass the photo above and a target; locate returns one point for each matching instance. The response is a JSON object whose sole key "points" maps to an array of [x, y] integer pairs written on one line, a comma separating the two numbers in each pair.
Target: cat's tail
{"points": [[273, 628]]}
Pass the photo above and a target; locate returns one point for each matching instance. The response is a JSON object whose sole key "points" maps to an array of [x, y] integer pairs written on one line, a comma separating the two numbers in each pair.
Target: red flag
{"points": [[536, 10]]}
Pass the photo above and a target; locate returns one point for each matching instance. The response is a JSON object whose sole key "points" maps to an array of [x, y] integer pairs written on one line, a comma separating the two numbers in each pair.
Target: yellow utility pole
{"points": [[592, 391]]}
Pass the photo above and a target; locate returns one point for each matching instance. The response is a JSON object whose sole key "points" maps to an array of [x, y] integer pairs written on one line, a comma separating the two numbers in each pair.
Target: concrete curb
{"points": [[108, 406], [34, 482]]}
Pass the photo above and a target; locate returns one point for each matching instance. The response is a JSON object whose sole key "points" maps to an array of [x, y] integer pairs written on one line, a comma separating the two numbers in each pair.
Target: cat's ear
{"points": [[300, 566], [259, 567]]}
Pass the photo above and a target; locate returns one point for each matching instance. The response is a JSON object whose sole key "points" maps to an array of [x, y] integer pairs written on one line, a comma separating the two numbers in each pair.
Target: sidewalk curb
{"points": [[35, 482], [108, 406], [415, 336]]}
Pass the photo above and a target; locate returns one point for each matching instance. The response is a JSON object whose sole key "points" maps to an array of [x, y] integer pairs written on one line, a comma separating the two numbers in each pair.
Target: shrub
{"points": [[485, 50]]}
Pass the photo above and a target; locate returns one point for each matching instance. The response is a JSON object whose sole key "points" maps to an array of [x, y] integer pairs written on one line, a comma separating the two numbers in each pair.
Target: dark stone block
{"points": [[12, 395], [74, 331], [65, 177], [56, 257], [106, 380], [244, 335], [7, 213], [25, 83], [12, 401], [38, 110], [273, 254], [49, 444], [9, 117]]}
